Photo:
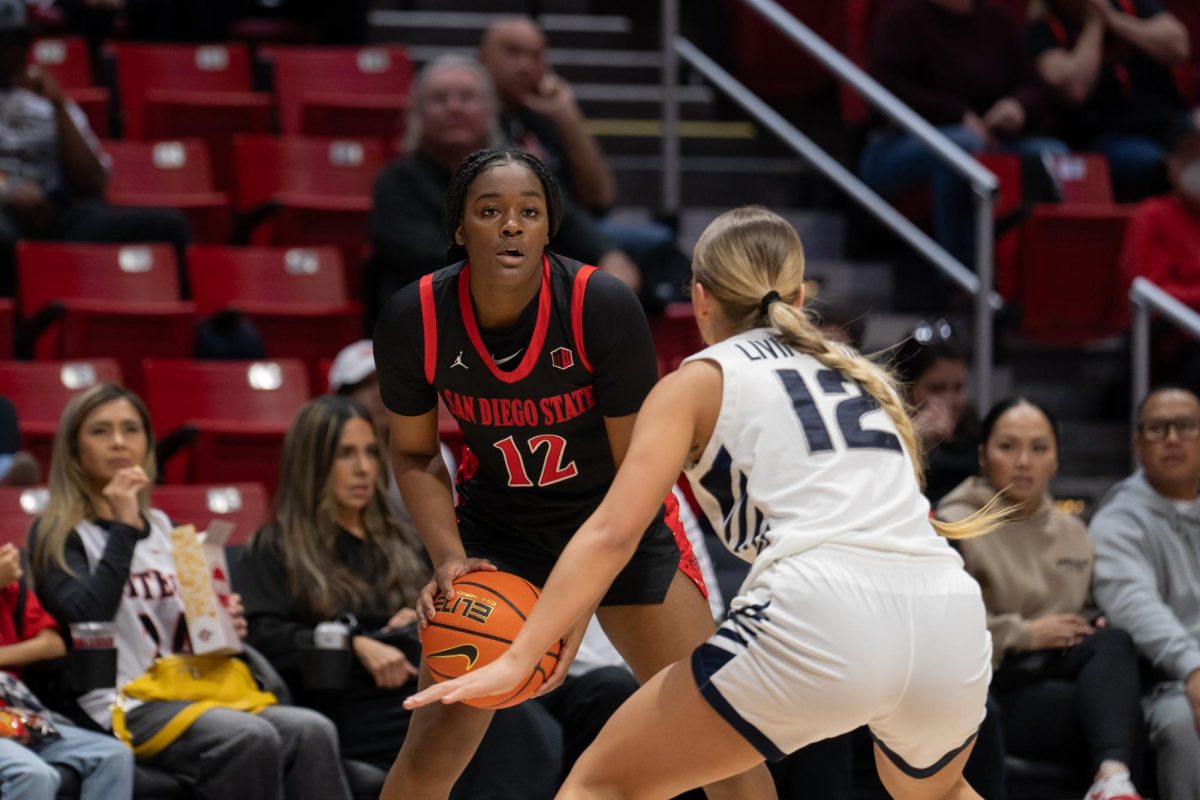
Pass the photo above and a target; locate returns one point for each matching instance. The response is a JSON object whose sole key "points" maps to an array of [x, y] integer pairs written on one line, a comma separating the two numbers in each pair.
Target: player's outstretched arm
{"points": [[663, 437], [424, 484]]}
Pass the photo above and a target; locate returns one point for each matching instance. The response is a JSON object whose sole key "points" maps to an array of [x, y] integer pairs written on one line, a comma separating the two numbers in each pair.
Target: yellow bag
{"points": [[203, 681]]}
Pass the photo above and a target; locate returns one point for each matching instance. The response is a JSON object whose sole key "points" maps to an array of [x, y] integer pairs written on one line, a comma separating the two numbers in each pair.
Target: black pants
{"points": [[1082, 703], [96, 221], [583, 704]]}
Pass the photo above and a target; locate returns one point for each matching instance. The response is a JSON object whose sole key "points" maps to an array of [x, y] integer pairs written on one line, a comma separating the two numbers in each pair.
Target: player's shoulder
{"points": [[408, 299]]}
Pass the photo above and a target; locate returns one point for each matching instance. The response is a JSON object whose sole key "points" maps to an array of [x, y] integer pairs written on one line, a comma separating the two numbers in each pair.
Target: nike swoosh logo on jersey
{"points": [[499, 361]]}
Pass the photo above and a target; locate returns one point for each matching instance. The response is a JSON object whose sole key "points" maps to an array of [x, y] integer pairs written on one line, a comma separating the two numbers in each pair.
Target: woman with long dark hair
{"points": [[333, 552], [102, 552]]}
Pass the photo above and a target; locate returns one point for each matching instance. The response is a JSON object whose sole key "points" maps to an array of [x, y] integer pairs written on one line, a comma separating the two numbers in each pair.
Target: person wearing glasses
{"points": [[1147, 576]]}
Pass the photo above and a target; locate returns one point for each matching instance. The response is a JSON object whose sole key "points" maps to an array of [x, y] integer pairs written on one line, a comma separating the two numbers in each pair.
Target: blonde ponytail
{"points": [[750, 252]]}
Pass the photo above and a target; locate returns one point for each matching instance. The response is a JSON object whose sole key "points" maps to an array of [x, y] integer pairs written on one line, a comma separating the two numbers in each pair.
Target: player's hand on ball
{"points": [[387, 664], [566, 654], [501, 677], [442, 583]]}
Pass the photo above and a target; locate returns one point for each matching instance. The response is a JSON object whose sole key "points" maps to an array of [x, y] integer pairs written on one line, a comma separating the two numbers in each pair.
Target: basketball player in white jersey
{"points": [[855, 610]]}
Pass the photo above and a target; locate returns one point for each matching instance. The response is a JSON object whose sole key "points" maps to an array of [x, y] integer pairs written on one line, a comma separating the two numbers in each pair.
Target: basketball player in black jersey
{"points": [[544, 362]]}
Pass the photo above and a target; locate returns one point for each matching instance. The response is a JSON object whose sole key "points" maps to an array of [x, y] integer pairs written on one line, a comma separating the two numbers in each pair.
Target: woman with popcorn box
{"points": [[102, 553]]}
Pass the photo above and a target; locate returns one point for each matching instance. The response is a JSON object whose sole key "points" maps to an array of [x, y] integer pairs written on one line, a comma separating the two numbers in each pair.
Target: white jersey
{"points": [[800, 457], [149, 621]]}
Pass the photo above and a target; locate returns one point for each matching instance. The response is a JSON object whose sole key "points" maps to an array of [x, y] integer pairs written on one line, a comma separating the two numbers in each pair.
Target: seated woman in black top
{"points": [[333, 550]]}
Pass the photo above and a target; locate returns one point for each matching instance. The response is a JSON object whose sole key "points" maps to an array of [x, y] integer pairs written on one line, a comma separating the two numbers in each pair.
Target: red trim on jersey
{"points": [[688, 564], [429, 324], [577, 293], [539, 329]]}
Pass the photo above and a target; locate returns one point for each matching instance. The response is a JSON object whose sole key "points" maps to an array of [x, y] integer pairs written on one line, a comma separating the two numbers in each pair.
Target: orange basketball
{"points": [[477, 625]]}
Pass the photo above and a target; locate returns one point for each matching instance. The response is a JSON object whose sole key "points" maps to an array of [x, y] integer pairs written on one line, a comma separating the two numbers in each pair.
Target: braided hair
{"points": [[476, 164], [748, 258]]}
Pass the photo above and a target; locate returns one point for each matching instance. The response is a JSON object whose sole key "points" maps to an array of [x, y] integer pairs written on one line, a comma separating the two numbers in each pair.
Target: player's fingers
{"points": [[555, 680], [429, 695]]}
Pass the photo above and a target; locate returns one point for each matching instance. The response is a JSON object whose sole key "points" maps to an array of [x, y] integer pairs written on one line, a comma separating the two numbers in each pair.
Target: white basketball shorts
{"points": [[825, 641]]}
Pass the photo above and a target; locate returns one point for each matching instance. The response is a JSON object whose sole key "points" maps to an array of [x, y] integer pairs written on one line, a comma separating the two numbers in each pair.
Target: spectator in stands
{"points": [[29, 635], [352, 374], [1147, 577], [1067, 683], [101, 552], [17, 467], [932, 364], [333, 551], [539, 113], [962, 66], [453, 114], [1108, 64], [1163, 240], [52, 172], [151, 20]]}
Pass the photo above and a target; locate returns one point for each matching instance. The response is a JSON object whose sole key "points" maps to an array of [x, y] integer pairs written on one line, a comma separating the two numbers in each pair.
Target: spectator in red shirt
{"points": [[29, 771], [1163, 242]]}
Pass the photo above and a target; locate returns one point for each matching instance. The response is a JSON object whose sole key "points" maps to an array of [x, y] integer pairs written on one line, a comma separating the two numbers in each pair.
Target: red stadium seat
{"points": [[675, 336], [245, 505], [8, 313], [120, 301], [180, 91], [240, 410], [171, 174], [296, 297], [68, 60], [322, 188], [1070, 284], [1082, 178], [341, 91], [18, 507], [40, 390]]}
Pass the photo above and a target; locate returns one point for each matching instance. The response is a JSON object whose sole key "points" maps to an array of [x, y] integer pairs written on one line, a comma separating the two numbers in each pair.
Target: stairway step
{"points": [[464, 27], [599, 100], [715, 181], [576, 64]]}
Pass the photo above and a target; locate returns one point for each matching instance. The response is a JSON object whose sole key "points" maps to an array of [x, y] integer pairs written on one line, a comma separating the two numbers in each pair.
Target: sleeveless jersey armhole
{"points": [[429, 326], [578, 290]]}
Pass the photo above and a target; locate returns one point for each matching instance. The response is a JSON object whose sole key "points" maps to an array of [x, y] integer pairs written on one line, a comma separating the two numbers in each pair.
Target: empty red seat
{"points": [[341, 91], [18, 508], [8, 313], [40, 390], [1070, 286], [239, 409], [170, 174], [295, 296], [174, 91], [120, 301], [1082, 178], [675, 336], [67, 58], [245, 505], [321, 189]]}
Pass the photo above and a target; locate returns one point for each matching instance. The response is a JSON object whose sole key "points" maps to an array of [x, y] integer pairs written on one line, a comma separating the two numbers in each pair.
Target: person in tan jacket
{"points": [[1067, 683]]}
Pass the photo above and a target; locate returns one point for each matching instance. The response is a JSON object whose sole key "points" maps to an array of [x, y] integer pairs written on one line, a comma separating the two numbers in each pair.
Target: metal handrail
{"points": [[983, 183], [1145, 298]]}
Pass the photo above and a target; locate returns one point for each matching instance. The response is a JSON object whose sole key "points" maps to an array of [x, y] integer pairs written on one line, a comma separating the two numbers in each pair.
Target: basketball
{"points": [[477, 625]]}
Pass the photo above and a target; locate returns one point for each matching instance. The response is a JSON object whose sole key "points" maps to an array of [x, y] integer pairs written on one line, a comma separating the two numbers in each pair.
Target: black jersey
{"points": [[537, 453]]}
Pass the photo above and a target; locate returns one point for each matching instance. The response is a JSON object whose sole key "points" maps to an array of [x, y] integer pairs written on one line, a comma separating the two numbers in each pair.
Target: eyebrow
{"points": [[491, 195]]}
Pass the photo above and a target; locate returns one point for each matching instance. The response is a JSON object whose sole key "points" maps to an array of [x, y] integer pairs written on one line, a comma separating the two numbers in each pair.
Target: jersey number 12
{"points": [[553, 469], [849, 413]]}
